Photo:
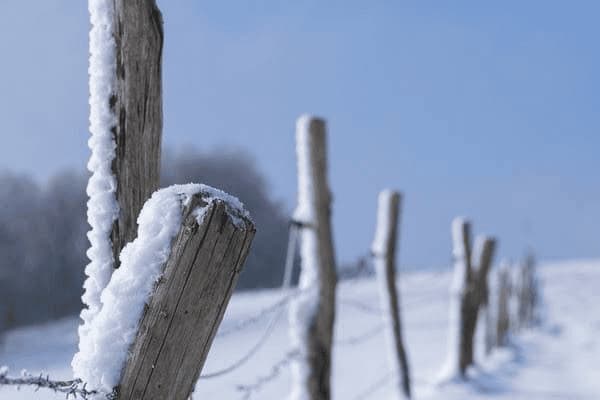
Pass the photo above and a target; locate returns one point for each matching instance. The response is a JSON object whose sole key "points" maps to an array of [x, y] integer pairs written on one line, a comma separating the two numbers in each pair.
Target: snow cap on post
{"points": [[309, 129], [461, 252], [388, 201]]}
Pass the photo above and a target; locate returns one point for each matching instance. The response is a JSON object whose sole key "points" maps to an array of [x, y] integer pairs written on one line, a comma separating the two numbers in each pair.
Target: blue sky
{"points": [[484, 110]]}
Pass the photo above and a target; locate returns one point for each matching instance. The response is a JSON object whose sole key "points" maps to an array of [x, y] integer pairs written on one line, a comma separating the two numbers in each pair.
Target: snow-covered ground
{"points": [[558, 360]]}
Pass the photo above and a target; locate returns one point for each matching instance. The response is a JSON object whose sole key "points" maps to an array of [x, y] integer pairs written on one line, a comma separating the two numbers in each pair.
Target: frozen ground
{"points": [[558, 360]]}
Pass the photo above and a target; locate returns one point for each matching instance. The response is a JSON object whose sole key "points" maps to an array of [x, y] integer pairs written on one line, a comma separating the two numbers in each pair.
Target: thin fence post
{"points": [[479, 295], [459, 291], [313, 311], [384, 253], [527, 292], [503, 313]]}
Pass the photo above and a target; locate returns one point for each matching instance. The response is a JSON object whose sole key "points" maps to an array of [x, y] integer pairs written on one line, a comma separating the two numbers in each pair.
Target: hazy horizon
{"points": [[487, 111]]}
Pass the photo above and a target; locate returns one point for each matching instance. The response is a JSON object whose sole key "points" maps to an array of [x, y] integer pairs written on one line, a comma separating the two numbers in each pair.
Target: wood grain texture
{"points": [[183, 314], [137, 103], [388, 276]]}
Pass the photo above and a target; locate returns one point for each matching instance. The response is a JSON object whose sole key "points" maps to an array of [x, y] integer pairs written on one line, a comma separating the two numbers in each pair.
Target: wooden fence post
{"points": [[469, 290], [461, 251], [526, 292], [479, 292], [384, 253], [503, 313], [184, 312], [137, 104], [313, 311]]}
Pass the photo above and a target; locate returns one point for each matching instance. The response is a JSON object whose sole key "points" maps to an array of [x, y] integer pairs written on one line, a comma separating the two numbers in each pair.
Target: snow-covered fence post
{"points": [[163, 306], [137, 105], [149, 324], [384, 254], [187, 306], [503, 312], [460, 304], [313, 312], [479, 295]]}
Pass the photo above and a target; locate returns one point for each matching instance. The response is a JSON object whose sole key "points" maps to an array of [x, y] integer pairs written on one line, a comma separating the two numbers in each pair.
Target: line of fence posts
{"points": [[469, 295], [516, 299], [207, 256]]}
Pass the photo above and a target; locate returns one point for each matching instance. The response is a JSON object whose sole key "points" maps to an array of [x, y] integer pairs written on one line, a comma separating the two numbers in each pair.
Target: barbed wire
{"points": [[276, 369], [75, 388], [277, 307], [363, 337], [375, 387], [249, 354], [364, 307], [259, 316]]}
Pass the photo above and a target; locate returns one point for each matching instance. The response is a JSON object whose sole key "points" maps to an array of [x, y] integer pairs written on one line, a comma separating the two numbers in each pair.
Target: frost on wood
{"points": [[312, 313], [102, 205], [384, 253], [458, 287], [104, 350]]}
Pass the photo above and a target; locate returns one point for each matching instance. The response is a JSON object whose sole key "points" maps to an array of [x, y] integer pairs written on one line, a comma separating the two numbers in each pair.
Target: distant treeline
{"points": [[43, 232]]}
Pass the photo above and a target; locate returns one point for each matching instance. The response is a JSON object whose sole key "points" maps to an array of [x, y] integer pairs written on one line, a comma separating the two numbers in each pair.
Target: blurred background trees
{"points": [[43, 232]]}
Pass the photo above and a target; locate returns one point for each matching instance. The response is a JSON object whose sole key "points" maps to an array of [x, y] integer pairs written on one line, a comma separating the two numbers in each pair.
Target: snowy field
{"points": [[558, 360]]}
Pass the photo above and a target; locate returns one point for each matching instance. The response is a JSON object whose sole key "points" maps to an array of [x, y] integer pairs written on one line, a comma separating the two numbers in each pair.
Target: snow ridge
{"points": [[102, 205]]}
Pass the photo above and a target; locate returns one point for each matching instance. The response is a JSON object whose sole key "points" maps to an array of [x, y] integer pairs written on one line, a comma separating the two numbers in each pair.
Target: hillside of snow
{"points": [[557, 360]]}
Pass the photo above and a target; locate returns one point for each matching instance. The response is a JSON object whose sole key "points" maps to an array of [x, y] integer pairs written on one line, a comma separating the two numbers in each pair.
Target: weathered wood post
{"points": [[456, 361], [503, 313], [461, 252], [468, 292], [384, 254], [137, 105], [479, 295], [184, 312], [313, 311]]}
